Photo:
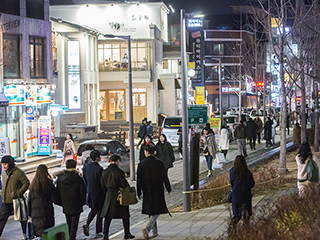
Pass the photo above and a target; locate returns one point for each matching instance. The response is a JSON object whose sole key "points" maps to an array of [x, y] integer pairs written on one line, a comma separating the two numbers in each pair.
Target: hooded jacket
{"points": [[72, 191]]}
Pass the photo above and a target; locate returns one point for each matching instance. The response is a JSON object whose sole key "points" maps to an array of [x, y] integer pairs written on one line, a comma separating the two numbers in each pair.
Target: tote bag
{"points": [[20, 209], [127, 196]]}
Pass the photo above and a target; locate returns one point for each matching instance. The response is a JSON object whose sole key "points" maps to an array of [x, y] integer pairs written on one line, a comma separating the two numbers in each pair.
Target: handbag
{"points": [[220, 157], [127, 196], [20, 209]]}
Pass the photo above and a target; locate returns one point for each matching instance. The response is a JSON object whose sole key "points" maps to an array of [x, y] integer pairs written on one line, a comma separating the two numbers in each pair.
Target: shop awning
{"points": [[177, 84], [59, 107], [160, 85]]}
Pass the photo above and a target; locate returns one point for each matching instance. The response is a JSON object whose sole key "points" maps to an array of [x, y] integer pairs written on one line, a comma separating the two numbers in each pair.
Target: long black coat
{"points": [[142, 130], [252, 129], [92, 176], [72, 191], [165, 154], [40, 208], [268, 130], [151, 176], [113, 178]]}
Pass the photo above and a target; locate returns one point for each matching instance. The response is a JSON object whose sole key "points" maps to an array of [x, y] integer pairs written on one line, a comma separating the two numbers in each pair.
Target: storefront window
{"points": [[115, 57], [11, 56], [37, 63]]}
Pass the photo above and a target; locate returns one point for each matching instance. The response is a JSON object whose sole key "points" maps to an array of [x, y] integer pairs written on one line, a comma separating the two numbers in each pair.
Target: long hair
{"points": [[41, 179], [165, 137], [240, 166], [304, 152], [146, 136], [71, 138]]}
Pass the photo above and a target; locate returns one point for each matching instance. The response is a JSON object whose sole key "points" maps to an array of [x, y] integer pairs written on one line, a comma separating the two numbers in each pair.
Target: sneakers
{"points": [[180, 155], [98, 235], [209, 174], [85, 230], [154, 235], [266, 148], [145, 233], [129, 236]]}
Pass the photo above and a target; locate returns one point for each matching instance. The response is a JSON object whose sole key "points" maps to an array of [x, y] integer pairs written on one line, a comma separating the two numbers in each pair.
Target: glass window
{"points": [[143, 100], [135, 100], [37, 63], [11, 56], [35, 9]]}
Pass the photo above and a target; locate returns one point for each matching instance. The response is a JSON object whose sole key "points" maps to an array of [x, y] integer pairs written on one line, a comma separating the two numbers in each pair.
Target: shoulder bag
{"points": [[20, 209], [127, 196]]}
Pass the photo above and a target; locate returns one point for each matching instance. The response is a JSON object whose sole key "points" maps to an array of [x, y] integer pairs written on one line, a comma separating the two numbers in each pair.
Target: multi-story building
{"points": [[26, 75]]}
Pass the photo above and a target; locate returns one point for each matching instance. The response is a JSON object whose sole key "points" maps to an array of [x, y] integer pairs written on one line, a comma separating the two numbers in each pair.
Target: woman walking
{"points": [[165, 152], [68, 149], [224, 141], [147, 140], [241, 180], [210, 148], [41, 196], [304, 155]]}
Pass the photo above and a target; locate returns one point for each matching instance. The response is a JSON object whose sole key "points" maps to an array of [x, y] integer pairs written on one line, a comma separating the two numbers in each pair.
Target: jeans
{"points": [[209, 161], [268, 141], [252, 143], [73, 222], [91, 216], [152, 224], [107, 222], [5, 212], [242, 146]]}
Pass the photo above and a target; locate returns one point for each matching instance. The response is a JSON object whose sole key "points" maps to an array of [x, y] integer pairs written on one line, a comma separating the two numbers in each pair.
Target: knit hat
{"points": [[8, 159]]}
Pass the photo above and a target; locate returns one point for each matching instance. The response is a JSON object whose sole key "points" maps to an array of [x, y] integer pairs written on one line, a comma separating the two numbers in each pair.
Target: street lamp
{"points": [[131, 139]]}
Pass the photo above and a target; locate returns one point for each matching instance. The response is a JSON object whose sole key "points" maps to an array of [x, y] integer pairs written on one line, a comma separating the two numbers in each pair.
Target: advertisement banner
{"points": [[15, 94], [44, 95], [215, 126], [44, 142], [200, 95], [29, 112], [4, 147], [31, 95]]}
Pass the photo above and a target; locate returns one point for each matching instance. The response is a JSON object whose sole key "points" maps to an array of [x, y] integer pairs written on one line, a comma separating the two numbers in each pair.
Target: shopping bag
{"points": [[216, 164], [127, 196], [220, 157], [20, 209]]}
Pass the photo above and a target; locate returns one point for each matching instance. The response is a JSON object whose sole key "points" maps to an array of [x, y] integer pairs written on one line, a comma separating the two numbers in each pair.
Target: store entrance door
{"points": [[139, 104]]}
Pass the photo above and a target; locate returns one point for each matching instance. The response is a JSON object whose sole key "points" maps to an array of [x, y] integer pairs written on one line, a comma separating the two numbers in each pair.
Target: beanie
{"points": [[8, 159]]}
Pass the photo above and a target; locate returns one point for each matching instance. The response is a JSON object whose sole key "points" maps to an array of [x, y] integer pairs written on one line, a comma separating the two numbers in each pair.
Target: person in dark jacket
{"points": [[113, 178], [241, 180], [179, 132], [240, 135], [142, 131], [252, 129], [42, 195], [268, 132], [258, 121], [164, 152], [150, 128], [15, 184], [92, 176], [288, 123], [147, 141], [151, 179], [72, 191]]}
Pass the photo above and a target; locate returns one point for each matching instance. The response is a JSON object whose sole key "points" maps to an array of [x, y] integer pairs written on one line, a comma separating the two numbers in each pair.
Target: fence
{"points": [[120, 136]]}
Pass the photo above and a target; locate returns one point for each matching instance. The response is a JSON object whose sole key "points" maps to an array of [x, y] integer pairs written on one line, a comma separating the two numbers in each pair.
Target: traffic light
{"points": [[260, 84]]}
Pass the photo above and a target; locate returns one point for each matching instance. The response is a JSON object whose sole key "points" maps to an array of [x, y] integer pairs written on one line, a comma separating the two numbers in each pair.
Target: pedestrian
{"points": [[274, 125], [268, 132], [260, 127], [142, 131], [85, 157], [92, 176], [179, 132], [208, 127], [241, 180], [304, 155], [240, 135], [151, 179], [252, 130], [15, 183], [296, 135], [150, 128], [112, 179], [312, 118], [42, 195], [224, 140], [68, 149], [210, 148], [164, 152], [147, 141], [72, 191], [288, 123]]}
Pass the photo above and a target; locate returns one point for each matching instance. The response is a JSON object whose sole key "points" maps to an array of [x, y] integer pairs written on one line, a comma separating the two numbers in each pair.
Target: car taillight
{"points": [[161, 130]]}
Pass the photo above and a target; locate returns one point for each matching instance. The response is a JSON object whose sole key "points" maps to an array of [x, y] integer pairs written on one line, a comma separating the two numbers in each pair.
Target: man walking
{"points": [[150, 128], [258, 121], [142, 131], [179, 132], [240, 135], [313, 118], [151, 176], [72, 191], [252, 129], [15, 184], [92, 176]]}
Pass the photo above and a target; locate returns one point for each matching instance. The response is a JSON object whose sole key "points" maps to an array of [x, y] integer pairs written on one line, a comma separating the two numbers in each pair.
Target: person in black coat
{"points": [[241, 180], [42, 195], [151, 179], [147, 141], [112, 179], [92, 176], [72, 191], [252, 129], [164, 152], [268, 132], [142, 131]]}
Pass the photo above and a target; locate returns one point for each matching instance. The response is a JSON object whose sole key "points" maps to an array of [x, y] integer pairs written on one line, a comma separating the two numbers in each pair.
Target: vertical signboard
{"points": [[44, 143], [215, 126], [200, 95], [196, 57], [74, 87]]}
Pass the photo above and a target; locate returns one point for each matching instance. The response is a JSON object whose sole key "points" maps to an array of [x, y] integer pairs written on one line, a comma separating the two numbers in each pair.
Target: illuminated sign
{"points": [[195, 22], [44, 131], [15, 94], [230, 89], [260, 84], [74, 87]]}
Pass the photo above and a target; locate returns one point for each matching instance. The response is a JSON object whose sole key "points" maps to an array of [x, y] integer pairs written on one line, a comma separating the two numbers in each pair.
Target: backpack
{"points": [[312, 171]]}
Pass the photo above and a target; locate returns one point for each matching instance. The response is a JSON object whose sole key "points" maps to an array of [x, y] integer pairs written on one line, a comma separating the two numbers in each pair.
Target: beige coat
{"points": [[210, 142], [68, 151]]}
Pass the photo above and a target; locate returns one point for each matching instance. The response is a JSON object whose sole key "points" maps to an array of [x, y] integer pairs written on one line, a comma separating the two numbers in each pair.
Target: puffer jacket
{"points": [[15, 184]]}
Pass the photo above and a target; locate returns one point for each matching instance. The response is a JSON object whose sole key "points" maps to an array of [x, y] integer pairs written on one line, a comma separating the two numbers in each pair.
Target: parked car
{"points": [[273, 111], [107, 148], [170, 126]]}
